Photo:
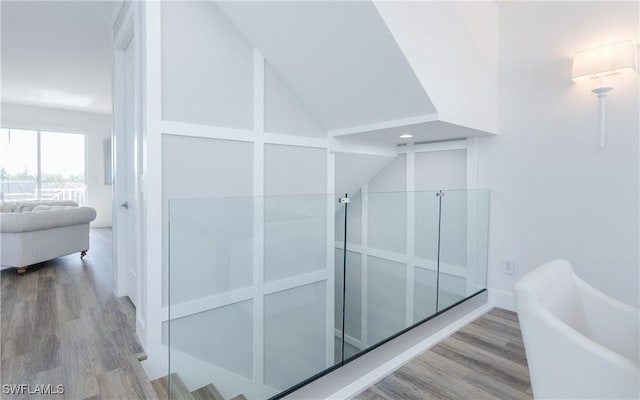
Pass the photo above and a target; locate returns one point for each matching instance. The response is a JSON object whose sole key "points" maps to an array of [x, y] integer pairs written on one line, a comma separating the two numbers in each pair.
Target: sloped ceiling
{"points": [[353, 64], [351, 170], [339, 58]]}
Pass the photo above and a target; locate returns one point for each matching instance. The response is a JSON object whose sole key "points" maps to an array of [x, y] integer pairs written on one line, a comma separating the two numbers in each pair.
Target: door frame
{"points": [[125, 36]]}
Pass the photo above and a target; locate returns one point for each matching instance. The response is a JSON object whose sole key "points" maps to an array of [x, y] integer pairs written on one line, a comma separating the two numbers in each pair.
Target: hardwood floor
{"points": [[61, 324], [484, 360]]}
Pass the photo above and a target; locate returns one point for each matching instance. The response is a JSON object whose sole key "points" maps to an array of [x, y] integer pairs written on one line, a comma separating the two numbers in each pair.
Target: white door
{"points": [[127, 227]]}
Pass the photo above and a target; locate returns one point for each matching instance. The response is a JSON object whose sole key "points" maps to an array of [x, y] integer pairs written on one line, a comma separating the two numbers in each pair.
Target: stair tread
{"points": [[148, 389], [173, 384], [208, 392]]}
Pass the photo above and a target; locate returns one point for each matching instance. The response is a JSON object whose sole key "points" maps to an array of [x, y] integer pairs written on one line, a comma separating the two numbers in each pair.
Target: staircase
{"points": [[168, 387], [172, 387]]}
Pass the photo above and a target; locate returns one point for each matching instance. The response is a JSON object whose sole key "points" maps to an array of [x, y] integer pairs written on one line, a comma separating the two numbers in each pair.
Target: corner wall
{"points": [[97, 128], [555, 192], [232, 132]]}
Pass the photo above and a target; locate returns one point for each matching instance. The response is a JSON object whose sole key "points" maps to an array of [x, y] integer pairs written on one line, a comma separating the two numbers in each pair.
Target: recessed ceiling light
{"points": [[406, 136]]}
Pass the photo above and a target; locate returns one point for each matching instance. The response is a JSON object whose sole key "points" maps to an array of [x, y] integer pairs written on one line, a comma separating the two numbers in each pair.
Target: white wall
{"points": [[97, 128], [555, 192]]}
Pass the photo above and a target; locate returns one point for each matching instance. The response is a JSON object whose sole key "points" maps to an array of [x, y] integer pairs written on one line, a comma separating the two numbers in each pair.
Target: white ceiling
{"points": [[432, 131], [338, 57], [57, 54]]}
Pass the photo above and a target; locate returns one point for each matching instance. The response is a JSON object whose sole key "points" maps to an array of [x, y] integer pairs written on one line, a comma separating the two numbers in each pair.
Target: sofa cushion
{"points": [[45, 219], [30, 205]]}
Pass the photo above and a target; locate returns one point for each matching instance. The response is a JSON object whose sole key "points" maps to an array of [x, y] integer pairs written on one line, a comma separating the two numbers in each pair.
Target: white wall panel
{"points": [[392, 178], [284, 113], [292, 170], [207, 67], [354, 169], [197, 167], [441, 170]]}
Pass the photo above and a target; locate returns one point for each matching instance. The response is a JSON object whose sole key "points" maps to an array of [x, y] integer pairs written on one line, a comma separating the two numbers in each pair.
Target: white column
{"points": [[331, 248], [411, 230], [258, 217]]}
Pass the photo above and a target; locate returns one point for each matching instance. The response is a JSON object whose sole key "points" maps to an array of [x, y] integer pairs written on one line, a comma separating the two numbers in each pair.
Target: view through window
{"points": [[40, 165]]}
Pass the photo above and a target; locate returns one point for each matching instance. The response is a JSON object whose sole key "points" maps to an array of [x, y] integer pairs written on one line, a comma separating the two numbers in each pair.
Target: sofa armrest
{"points": [[612, 323], [566, 364]]}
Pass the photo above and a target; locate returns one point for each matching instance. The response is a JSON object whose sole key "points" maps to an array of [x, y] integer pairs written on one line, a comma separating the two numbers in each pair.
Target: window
{"points": [[39, 165]]}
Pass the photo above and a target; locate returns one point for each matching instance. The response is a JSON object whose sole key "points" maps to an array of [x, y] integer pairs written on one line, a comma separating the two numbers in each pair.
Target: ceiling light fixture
{"points": [[600, 63], [406, 136]]}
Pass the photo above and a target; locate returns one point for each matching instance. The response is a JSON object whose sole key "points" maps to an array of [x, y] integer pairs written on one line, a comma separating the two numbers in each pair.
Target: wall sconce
{"points": [[599, 63]]}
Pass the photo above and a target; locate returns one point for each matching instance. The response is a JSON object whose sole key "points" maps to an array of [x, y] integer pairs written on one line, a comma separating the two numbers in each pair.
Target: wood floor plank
{"points": [[450, 375], [482, 365], [506, 314], [61, 324], [373, 393], [495, 387], [498, 358], [484, 360]]}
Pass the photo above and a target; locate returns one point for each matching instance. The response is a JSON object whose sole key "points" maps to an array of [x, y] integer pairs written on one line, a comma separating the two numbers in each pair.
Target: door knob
{"points": [[125, 205]]}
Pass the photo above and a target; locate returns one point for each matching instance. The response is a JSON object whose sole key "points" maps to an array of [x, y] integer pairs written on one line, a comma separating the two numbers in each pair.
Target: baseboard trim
{"points": [[502, 299], [359, 385]]}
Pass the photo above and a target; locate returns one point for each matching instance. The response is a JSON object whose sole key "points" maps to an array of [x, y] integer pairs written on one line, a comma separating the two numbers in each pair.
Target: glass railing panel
{"points": [[386, 298], [295, 334], [377, 288], [387, 222], [425, 264], [251, 283], [463, 245], [478, 243], [353, 307], [267, 292], [295, 236], [211, 247]]}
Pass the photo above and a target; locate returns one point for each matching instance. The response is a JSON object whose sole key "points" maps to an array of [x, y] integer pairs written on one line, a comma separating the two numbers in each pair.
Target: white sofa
{"points": [[580, 343], [33, 232]]}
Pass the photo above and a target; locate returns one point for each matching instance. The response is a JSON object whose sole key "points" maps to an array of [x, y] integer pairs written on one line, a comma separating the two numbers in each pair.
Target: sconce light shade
{"points": [[604, 60]]}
